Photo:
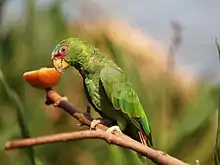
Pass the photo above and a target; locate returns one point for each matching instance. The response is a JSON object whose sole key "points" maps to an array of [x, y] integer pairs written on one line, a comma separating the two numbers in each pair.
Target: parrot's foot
{"points": [[94, 123], [115, 130], [58, 101]]}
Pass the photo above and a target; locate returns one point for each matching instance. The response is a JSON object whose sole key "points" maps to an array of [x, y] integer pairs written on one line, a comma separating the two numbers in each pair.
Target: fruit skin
{"points": [[42, 78]]}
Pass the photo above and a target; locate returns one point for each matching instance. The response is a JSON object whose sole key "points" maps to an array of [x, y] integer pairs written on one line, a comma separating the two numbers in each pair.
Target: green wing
{"points": [[123, 96]]}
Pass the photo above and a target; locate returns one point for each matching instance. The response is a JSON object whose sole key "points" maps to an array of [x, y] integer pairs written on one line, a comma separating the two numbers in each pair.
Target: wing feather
{"points": [[121, 93]]}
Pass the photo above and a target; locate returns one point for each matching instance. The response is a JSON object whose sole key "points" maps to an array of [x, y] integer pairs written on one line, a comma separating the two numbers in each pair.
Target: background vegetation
{"points": [[182, 113]]}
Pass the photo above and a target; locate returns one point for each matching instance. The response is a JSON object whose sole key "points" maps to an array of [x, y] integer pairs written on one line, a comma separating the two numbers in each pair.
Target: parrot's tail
{"points": [[139, 135], [145, 139]]}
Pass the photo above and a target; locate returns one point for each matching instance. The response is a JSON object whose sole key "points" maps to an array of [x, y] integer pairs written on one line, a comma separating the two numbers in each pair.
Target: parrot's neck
{"points": [[90, 66], [89, 60], [81, 70]]}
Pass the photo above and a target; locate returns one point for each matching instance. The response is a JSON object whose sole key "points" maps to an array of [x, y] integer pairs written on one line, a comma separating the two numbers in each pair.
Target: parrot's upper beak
{"points": [[59, 64]]}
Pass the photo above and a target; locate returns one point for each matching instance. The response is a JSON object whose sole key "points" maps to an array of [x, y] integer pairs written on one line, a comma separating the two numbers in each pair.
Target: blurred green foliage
{"points": [[190, 134], [217, 145]]}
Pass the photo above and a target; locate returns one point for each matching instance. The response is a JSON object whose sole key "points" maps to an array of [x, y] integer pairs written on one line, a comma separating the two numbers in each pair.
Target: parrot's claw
{"points": [[94, 123], [115, 130], [58, 101]]}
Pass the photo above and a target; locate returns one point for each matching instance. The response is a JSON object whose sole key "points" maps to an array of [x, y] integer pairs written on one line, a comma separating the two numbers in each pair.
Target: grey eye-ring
{"points": [[63, 49]]}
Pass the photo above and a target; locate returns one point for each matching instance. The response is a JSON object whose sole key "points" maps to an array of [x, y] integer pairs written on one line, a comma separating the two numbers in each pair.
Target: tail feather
{"points": [[140, 135], [145, 139]]}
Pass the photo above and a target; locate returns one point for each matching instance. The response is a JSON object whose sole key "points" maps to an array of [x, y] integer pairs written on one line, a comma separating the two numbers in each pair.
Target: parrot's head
{"points": [[67, 53]]}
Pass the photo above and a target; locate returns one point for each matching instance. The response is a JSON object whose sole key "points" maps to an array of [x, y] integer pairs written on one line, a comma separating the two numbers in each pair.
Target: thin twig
{"points": [[121, 140]]}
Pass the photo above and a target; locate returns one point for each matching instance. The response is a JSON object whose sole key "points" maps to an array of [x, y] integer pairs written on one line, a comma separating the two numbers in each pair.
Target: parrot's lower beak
{"points": [[60, 64]]}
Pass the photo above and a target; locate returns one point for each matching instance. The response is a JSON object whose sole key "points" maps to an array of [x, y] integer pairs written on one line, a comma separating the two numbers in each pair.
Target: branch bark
{"points": [[83, 118], [121, 140], [157, 156]]}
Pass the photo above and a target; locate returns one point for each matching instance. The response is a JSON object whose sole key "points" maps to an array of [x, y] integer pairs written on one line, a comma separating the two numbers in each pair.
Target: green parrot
{"points": [[107, 88]]}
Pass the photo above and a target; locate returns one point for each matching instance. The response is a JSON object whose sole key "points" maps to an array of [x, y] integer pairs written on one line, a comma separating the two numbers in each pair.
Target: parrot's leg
{"points": [[105, 122], [88, 108], [114, 130], [58, 101]]}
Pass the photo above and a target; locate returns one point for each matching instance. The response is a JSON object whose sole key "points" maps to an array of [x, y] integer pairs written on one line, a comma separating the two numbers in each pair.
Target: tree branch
{"points": [[121, 140], [83, 118], [157, 156]]}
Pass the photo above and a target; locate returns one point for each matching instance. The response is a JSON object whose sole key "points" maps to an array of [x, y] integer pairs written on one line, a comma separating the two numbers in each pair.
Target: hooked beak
{"points": [[59, 64]]}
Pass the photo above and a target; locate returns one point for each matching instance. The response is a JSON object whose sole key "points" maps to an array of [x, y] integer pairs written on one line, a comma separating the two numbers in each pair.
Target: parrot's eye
{"points": [[63, 49]]}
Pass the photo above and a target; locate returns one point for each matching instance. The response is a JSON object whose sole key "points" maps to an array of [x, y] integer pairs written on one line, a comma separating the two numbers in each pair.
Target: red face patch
{"points": [[61, 52]]}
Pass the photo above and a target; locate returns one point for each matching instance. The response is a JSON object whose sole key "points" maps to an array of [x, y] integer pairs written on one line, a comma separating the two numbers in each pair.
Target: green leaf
{"points": [[20, 112]]}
